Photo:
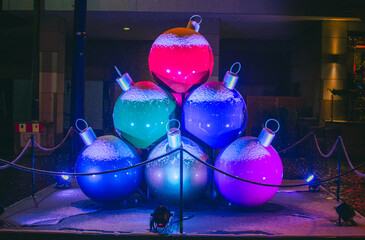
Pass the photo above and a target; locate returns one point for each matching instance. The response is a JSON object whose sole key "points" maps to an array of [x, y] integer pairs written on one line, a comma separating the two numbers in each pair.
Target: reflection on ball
{"points": [[248, 159], [163, 176], [108, 153]]}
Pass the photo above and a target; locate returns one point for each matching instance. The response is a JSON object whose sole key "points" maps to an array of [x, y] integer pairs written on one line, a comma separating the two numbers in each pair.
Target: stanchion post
{"points": [[181, 190], [33, 174], [332, 108], [311, 154], [338, 170], [214, 193]]}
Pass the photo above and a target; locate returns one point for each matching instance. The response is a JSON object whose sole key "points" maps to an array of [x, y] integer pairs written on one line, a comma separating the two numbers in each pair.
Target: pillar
{"points": [[52, 74], [333, 69]]}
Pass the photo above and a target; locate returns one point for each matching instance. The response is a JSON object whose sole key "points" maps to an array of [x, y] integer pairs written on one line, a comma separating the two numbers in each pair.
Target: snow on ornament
{"points": [[103, 154], [142, 111], [181, 58], [252, 159], [215, 112], [163, 175]]}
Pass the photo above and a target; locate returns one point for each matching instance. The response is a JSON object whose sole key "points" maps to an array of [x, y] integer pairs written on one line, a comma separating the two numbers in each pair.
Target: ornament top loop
{"points": [[76, 124], [167, 125], [272, 119], [239, 67], [194, 25], [116, 69], [198, 16]]}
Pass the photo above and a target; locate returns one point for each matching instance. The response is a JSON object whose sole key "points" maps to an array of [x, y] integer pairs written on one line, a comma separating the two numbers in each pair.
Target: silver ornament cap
{"points": [[173, 135], [88, 136], [230, 80], [267, 135], [125, 81]]}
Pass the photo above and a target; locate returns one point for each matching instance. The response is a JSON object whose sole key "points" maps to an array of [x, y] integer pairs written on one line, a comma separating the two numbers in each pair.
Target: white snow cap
{"points": [[170, 39], [138, 94], [108, 148], [248, 148], [210, 92]]}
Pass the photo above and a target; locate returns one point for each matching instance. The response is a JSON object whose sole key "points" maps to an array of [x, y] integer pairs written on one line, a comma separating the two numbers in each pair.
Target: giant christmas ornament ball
{"points": [[163, 175], [247, 158], [215, 114], [180, 59], [108, 153], [141, 113]]}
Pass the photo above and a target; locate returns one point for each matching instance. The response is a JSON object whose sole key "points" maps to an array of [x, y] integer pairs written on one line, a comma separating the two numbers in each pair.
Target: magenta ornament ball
{"points": [[247, 158]]}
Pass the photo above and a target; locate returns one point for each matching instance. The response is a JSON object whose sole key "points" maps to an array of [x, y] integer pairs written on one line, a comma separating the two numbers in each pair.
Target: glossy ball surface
{"points": [[181, 59], [163, 175], [108, 153], [215, 114], [141, 113], [248, 159]]}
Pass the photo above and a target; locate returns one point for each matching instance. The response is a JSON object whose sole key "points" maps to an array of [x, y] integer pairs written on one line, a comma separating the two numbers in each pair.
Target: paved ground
{"points": [[291, 212]]}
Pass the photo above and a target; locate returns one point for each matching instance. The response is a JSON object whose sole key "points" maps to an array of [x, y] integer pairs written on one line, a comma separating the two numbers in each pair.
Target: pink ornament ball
{"points": [[181, 59], [247, 158]]}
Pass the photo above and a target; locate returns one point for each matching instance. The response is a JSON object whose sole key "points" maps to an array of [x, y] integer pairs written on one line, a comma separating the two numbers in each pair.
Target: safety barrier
{"points": [[39, 171], [338, 141]]}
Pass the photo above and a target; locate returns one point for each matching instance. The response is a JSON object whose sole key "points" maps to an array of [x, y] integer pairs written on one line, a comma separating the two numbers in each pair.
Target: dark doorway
{"points": [[6, 117]]}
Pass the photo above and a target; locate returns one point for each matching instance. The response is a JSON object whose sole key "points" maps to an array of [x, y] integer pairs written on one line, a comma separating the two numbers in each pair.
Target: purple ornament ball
{"points": [[247, 158]]}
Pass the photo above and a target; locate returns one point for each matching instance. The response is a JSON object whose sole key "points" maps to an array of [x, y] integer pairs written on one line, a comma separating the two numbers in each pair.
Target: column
{"points": [[333, 69], [52, 75]]}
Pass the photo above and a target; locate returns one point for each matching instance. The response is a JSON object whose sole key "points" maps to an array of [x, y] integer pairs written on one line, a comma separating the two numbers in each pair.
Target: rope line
{"points": [[319, 149], [18, 157], [46, 172], [271, 185], [164, 155], [296, 143], [348, 159], [34, 170], [55, 147]]}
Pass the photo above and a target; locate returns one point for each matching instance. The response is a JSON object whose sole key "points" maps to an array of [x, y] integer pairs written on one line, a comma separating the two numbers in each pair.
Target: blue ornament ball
{"points": [[108, 153], [215, 114], [163, 175]]}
